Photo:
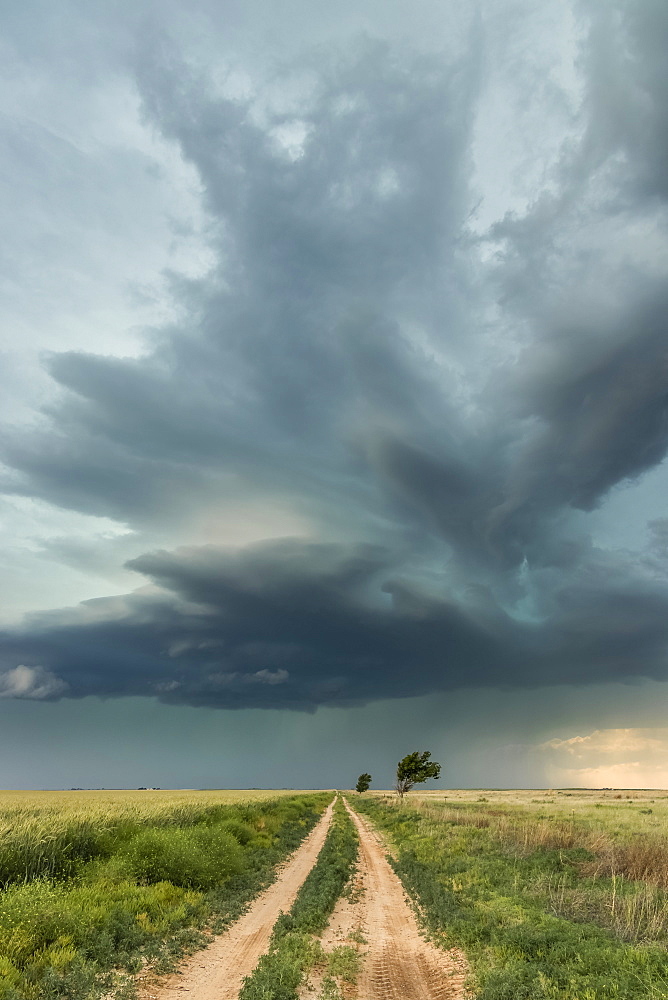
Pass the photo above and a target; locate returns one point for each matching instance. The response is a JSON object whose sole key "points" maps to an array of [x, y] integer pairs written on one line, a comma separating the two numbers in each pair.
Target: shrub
{"points": [[199, 858], [243, 832]]}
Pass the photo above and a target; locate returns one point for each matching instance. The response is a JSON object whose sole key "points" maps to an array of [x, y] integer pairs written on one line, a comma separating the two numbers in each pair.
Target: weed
{"points": [[344, 963], [294, 948], [509, 907], [330, 990], [357, 937]]}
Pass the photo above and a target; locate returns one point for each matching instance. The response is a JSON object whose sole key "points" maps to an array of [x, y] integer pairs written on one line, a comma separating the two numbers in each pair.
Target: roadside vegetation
{"points": [[626, 835], [539, 902], [294, 945], [48, 834], [92, 894]]}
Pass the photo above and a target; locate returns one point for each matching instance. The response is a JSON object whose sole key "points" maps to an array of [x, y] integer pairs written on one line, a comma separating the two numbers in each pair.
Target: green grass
{"points": [[626, 831], [294, 945], [341, 965], [48, 834], [150, 893], [496, 900]]}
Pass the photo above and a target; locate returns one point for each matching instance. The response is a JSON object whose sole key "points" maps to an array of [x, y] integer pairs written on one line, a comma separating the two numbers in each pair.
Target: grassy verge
{"points": [[149, 894], [612, 863], [498, 905], [624, 840], [294, 945]]}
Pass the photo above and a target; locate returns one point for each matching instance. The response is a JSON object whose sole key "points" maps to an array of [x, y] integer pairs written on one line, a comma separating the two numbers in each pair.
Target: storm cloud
{"points": [[443, 405]]}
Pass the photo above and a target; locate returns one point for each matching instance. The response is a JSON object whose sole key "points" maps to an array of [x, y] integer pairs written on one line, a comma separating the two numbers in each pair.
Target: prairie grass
{"points": [[122, 883], [513, 888], [620, 855], [47, 833], [626, 833]]}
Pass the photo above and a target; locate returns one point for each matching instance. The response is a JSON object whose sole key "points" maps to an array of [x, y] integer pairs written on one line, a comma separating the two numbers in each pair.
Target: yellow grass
{"points": [[626, 830], [40, 829], [149, 803]]}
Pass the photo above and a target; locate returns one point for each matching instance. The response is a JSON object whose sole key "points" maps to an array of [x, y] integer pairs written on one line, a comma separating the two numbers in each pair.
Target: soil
{"points": [[374, 917], [347, 926], [398, 963], [218, 971]]}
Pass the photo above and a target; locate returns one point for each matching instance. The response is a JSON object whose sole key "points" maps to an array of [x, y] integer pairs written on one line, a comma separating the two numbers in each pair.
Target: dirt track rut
{"points": [[217, 972], [399, 963]]}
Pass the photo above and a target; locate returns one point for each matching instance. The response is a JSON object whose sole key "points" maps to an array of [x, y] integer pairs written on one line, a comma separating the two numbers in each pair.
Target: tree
{"points": [[363, 782], [414, 769]]}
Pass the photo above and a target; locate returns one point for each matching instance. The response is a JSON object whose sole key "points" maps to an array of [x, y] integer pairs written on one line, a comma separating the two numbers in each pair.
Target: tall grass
{"points": [[638, 854], [533, 925], [634, 911], [621, 878], [47, 834], [138, 888]]}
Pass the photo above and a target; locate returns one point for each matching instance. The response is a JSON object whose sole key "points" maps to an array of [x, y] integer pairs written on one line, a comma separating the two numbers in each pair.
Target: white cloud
{"points": [[616, 758], [614, 741], [30, 682], [270, 677]]}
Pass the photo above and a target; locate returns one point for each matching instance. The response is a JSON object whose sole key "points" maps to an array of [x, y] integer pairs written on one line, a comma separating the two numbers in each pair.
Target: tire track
{"points": [[218, 971], [346, 927], [400, 964]]}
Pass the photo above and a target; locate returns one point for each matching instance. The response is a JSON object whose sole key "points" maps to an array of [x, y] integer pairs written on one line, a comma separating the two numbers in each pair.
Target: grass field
{"points": [[552, 894], [48, 833], [99, 882], [625, 831]]}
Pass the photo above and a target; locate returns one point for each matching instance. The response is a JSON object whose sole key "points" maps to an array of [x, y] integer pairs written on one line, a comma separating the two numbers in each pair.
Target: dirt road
{"points": [[399, 963], [217, 972]]}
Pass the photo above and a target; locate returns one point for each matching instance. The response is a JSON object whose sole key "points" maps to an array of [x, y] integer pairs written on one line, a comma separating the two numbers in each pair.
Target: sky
{"points": [[333, 392]]}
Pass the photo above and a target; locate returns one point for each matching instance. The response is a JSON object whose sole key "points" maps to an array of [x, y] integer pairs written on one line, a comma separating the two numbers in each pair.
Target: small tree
{"points": [[363, 783], [414, 769]]}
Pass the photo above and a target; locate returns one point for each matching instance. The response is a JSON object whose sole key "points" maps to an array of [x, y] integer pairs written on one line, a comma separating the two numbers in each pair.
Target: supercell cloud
{"points": [[429, 345]]}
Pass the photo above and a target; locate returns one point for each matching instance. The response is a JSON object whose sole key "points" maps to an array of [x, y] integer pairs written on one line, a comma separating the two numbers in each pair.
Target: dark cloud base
{"points": [[292, 624]]}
